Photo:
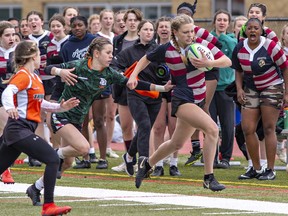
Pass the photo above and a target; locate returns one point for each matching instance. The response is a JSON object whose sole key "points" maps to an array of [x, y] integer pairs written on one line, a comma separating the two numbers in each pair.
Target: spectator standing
{"points": [[132, 18], [164, 117], [7, 47], [222, 107], [262, 94]]}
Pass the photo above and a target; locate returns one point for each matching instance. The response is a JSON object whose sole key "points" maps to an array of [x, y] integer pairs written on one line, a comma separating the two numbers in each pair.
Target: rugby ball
{"points": [[196, 50]]}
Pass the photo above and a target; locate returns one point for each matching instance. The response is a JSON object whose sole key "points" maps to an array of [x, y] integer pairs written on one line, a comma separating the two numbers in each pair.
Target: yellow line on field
{"points": [[242, 183]]}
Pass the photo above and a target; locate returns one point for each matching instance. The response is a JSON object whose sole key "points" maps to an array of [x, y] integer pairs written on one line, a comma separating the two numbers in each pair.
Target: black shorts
{"points": [[120, 95], [176, 102], [167, 96], [212, 74], [49, 86], [58, 122], [58, 89]]}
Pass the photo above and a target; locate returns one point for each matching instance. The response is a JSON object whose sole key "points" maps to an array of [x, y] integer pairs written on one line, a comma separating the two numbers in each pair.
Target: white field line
{"points": [[160, 198]]}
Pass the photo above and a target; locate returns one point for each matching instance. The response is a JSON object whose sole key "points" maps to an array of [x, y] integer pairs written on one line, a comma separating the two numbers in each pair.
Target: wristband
{"points": [[160, 88], [58, 71]]}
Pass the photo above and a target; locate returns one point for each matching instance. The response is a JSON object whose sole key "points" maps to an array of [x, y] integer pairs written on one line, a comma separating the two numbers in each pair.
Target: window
{"points": [[10, 11], [150, 10], [235, 7]]}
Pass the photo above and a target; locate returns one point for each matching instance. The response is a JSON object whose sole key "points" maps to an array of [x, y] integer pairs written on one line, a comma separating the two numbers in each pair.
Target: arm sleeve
{"points": [[7, 96], [142, 85], [51, 107]]}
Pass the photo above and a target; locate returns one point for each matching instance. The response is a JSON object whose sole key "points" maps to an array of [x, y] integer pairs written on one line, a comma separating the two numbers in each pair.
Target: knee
{"points": [[53, 159], [84, 150], [269, 130], [212, 132], [159, 129], [247, 130], [98, 123]]}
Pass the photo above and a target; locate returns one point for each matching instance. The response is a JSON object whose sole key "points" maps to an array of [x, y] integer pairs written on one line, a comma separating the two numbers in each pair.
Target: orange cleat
{"points": [[50, 209], [6, 177]]}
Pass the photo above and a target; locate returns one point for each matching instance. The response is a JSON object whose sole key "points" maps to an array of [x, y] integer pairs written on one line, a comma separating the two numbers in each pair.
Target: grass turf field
{"points": [[190, 183]]}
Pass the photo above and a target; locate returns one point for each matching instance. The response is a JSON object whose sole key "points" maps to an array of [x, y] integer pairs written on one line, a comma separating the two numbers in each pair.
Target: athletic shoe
{"points": [[110, 153], [213, 184], [93, 158], [268, 174], [34, 194], [33, 162], [119, 168], [193, 158], [281, 153], [129, 169], [173, 170], [6, 177], [223, 164], [144, 170], [102, 164], [158, 171], [50, 209], [250, 174], [82, 165]]}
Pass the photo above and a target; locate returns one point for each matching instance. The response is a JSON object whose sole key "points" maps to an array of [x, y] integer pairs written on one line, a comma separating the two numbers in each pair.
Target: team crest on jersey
{"points": [[44, 44], [102, 83], [39, 97], [261, 62]]}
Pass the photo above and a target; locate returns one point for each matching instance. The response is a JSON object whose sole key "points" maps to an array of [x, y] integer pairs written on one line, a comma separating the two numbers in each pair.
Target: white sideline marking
{"points": [[161, 198]]}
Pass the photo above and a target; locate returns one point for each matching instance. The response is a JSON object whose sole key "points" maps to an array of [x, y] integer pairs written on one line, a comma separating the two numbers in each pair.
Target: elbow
{"points": [[229, 63]]}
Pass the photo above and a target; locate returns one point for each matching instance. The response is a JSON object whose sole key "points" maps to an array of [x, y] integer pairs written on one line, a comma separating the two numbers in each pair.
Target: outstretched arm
{"points": [[141, 65], [63, 106]]}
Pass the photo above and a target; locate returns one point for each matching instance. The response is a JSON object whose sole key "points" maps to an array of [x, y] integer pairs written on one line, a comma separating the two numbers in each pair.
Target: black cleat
{"points": [[102, 164], [249, 174], [129, 168], [268, 174], [34, 194], [158, 171], [144, 170], [93, 158], [33, 162], [82, 165], [193, 158], [213, 184], [173, 170]]}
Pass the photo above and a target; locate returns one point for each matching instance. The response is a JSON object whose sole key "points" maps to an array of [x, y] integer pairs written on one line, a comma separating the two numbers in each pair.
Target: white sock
{"points": [[159, 163], [173, 161], [46, 133], [92, 150], [129, 159], [263, 162], [60, 153], [250, 164], [39, 184]]}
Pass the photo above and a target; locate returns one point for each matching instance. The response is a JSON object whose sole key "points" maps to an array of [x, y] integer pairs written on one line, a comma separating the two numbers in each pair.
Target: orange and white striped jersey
{"points": [[28, 94]]}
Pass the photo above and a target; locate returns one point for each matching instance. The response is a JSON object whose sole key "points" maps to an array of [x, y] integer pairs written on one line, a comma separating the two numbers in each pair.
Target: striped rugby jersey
{"points": [[189, 81], [261, 65]]}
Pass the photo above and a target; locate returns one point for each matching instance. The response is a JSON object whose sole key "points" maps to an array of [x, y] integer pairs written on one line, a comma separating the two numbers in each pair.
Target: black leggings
{"points": [[37, 148], [144, 115]]}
